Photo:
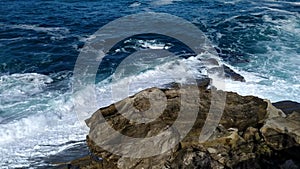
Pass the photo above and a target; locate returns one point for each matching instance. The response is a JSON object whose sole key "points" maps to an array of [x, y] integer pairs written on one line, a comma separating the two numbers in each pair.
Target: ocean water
{"points": [[41, 40]]}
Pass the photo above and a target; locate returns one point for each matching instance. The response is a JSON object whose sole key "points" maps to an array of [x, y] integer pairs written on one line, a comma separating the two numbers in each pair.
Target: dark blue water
{"points": [[41, 40]]}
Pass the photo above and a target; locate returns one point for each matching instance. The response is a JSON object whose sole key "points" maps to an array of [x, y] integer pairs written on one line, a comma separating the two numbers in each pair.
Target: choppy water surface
{"points": [[40, 42]]}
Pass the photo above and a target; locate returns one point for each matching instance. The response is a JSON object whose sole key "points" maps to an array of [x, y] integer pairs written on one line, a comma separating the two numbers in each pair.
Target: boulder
{"points": [[250, 133], [282, 133]]}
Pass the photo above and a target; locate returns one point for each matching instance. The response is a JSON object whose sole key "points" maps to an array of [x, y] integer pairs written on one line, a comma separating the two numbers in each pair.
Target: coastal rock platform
{"points": [[252, 132]]}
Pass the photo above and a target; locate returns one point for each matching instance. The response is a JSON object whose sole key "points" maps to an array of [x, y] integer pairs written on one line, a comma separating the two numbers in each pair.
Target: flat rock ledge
{"points": [[251, 132]]}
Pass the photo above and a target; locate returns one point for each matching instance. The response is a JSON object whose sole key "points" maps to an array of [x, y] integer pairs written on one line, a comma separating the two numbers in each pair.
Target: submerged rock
{"points": [[250, 133]]}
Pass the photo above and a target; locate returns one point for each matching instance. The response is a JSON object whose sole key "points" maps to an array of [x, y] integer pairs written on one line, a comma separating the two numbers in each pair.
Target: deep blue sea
{"points": [[41, 40]]}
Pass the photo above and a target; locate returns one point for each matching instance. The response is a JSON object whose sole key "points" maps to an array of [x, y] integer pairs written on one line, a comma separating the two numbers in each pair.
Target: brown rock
{"points": [[237, 140], [281, 133]]}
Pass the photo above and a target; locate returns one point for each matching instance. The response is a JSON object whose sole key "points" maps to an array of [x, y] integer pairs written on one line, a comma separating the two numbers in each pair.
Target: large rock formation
{"points": [[251, 133]]}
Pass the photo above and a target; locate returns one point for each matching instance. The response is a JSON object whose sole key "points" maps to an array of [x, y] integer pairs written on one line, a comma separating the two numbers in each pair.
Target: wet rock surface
{"points": [[251, 132], [229, 73]]}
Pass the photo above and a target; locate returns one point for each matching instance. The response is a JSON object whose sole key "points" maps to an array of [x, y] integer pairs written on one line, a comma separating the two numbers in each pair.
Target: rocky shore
{"points": [[252, 133]]}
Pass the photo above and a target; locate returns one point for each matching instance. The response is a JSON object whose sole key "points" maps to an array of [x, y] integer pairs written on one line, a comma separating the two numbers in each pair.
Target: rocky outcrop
{"points": [[251, 132], [281, 133], [229, 73]]}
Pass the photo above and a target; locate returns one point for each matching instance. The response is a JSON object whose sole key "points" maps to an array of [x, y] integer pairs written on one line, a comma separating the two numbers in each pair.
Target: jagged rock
{"points": [[229, 73], [250, 131], [272, 111], [281, 133]]}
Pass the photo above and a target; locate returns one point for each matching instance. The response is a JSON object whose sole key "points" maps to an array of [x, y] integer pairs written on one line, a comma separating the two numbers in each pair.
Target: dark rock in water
{"points": [[78, 149], [202, 83], [229, 73], [250, 133], [288, 107]]}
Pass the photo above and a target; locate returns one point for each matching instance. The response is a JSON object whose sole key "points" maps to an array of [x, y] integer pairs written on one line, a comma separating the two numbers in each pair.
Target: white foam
{"points": [[39, 28], [45, 131], [40, 122], [267, 87], [135, 4], [56, 32], [230, 1], [164, 2], [37, 136], [19, 84], [290, 25], [153, 45], [178, 70], [160, 75], [273, 74], [51, 124]]}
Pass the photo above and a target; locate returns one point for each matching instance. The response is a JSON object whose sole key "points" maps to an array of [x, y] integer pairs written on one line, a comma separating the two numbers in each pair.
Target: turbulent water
{"points": [[41, 40]]}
